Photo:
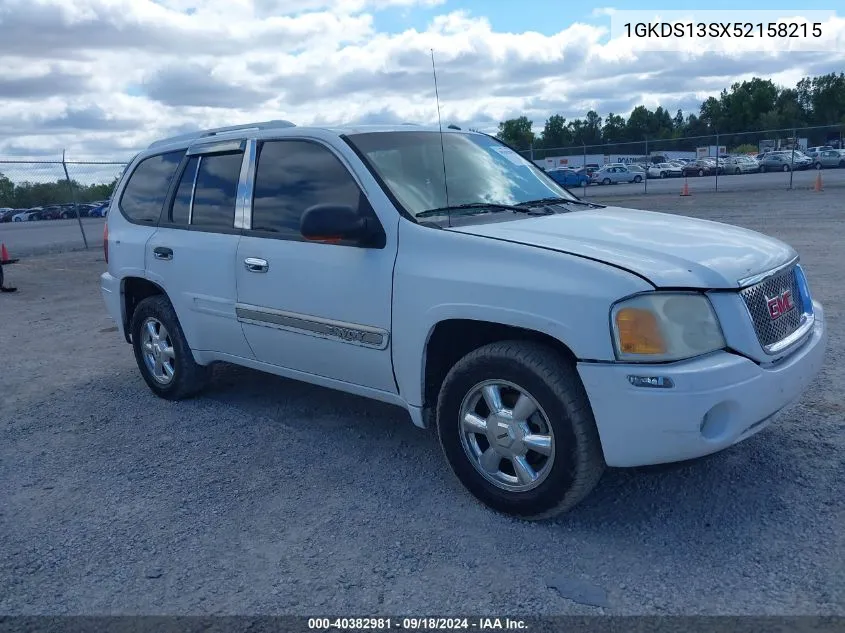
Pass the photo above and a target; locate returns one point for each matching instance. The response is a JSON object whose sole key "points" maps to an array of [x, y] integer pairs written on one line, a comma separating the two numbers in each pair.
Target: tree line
{"points": [[754, 105], [25, 195]]}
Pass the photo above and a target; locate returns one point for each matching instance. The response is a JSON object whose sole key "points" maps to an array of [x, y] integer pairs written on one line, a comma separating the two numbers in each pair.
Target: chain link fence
{"points": [[796, 158], [38, 191]]}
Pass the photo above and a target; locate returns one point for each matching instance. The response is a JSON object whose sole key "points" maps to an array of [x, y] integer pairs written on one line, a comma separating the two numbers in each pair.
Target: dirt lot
{"points": [[269, 496]]}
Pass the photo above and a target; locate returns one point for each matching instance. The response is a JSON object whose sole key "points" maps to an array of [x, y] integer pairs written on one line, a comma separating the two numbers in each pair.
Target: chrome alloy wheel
{"points": [[506, 435], [157, 348]]}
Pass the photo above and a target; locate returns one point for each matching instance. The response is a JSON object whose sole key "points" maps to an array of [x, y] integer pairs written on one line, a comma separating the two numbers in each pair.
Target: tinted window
{"points": [[292, 176], [216, 190], [144, 195], [182, 200]]}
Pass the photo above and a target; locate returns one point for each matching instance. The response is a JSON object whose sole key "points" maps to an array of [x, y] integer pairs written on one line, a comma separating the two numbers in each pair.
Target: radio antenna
{"points": [[440, 126]]}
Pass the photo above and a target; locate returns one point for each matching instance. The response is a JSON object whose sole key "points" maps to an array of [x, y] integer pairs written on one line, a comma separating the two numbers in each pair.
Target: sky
{"points": [[102, 79]]}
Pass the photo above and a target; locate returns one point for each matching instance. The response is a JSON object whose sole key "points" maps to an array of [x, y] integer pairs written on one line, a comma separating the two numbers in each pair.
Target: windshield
{"points": [[479, 169]]}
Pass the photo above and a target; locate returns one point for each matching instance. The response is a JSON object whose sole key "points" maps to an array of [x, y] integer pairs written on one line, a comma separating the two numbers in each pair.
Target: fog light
{"points": [[659, 382]]}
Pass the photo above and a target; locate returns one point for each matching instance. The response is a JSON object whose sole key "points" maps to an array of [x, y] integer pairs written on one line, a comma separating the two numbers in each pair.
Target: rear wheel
{"points": [[700, 172], [606, 181], [517, 429], [162, 352], [638, 179], [737, 172], [818, 165], [786, 167]]}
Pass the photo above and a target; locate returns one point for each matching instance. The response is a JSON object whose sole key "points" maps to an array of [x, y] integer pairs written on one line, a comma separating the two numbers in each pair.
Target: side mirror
{"points": [[333, 223]]}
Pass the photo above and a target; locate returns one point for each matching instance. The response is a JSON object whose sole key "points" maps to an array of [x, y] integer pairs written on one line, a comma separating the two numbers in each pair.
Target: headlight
{"points": [[659, 327]]}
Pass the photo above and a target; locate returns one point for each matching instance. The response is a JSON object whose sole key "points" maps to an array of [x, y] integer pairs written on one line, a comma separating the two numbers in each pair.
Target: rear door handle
{"points": [[162, 252], [256, 265]]}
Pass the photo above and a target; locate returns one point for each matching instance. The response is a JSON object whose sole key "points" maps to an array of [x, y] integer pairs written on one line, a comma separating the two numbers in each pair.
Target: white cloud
{"points": [[102, 78]]}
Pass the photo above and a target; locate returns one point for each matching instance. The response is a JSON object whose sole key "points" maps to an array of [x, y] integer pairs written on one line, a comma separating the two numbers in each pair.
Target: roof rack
{"points": [[191, 136]]}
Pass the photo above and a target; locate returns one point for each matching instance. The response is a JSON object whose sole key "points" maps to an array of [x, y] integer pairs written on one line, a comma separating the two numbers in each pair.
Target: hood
{"points": [[668, 250]]}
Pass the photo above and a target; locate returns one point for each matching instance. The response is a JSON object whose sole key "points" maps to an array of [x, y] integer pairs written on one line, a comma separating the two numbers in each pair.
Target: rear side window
{"points": [[180, 210], [216, 191], [144, 194]]}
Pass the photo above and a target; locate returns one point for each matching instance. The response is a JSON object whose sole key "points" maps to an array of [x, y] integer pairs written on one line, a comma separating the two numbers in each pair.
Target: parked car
{"points": [[6, 214], [569, 177], [829, 158], [699, 167], [813, 152], [641, 169], [740, 165], [28, 215], [784, 161], [553, 338], [664, 170], [99, 211], [614, 174], [52, 212]]}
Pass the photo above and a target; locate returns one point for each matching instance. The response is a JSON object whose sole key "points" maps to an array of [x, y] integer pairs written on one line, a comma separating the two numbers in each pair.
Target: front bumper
{"points": [[717, 401]]}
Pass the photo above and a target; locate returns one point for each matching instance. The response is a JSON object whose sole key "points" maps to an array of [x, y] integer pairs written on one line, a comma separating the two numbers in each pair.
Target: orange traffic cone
{"points": [[685, 190], [4, 253], [818, 186]]}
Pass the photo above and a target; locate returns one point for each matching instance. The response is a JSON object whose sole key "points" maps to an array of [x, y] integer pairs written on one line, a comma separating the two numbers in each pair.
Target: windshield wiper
{"points": [[561, 201], [480, 206]]}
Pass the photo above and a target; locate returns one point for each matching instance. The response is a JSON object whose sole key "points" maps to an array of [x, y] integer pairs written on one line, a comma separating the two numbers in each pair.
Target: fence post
{"points": [[73, 199], [792, 159], [647, 165], [718, 160], [584, 165]]}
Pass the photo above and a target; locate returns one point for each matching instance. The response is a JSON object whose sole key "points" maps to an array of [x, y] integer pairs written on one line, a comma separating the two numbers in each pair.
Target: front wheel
{"points": [[818, 165], [638, 179], [515, 424], [786, 167], [162, 352], [606, 181]]}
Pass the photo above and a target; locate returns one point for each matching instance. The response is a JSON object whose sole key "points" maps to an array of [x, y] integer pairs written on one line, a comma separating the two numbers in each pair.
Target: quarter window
{"points": [[292, 176], [143, 197]]}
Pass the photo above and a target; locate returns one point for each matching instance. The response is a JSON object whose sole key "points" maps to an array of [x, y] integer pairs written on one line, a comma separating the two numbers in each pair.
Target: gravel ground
{"points": [[268, 496]]}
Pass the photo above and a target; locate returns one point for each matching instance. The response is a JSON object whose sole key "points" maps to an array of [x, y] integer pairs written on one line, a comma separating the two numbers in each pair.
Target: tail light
{"points": [[106, 241]]}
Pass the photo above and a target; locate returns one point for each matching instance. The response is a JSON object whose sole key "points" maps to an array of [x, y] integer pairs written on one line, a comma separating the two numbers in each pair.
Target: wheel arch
{"points": [[450, 339], [133, 290]]}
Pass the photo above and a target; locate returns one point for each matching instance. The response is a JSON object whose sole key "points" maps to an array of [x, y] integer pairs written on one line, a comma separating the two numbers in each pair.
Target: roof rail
{"points": [[191, 136]]}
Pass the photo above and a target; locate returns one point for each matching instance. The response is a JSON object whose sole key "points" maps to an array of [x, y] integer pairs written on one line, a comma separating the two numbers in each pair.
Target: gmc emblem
{"points": [[780, 305]]}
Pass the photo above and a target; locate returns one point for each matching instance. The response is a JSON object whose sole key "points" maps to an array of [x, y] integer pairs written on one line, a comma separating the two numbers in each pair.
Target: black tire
{"points": [[638, 179], [786, 168], [606, 181], [663, 174], [551, 380], [189, 378], [818, 165], [738, 171]]}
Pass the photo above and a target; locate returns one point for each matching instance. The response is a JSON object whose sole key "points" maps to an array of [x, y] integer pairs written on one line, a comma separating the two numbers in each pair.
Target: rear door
{"points": [[192, 254]]}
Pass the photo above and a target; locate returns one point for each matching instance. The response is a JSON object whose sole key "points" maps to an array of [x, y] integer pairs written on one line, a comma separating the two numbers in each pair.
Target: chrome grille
{"points": [[770, 331]]}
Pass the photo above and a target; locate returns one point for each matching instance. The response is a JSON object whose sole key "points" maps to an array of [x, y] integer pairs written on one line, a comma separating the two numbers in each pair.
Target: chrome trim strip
{"points": [[340, 331], [217, 147], [243, 204], [756, 279], [808, 319], [193, 192]]}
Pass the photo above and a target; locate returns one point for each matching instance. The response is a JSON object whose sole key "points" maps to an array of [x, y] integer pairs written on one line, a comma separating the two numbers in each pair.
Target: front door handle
{"points": [[162, 252], [256, 265]]}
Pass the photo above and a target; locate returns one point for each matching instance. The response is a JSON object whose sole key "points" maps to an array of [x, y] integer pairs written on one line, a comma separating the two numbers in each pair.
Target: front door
{"points": [[318, 308]]}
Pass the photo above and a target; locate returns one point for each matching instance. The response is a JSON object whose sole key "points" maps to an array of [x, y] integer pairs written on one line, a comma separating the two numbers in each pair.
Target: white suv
{"points": [[543, 336]]}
